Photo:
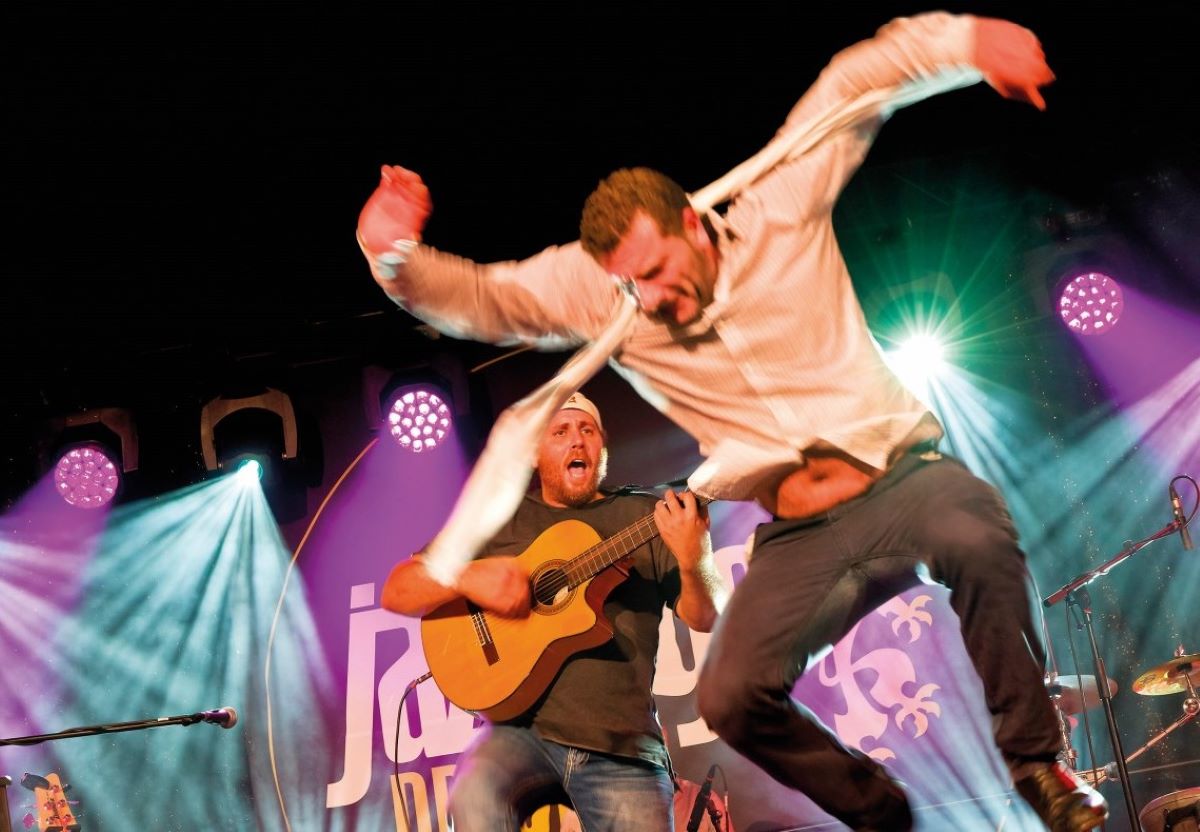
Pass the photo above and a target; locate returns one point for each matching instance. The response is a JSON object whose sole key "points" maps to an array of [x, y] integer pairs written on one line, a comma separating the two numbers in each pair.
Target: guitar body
{"points": [[499, 667]]}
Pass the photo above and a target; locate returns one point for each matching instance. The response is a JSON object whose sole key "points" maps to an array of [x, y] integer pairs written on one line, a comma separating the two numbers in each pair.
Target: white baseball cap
{"points": [[578, 401]]}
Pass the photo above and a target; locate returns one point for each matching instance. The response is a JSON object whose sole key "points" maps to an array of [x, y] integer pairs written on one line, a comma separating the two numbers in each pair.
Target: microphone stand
{"points": [[1078, 598], [1081, 601], [111, 728]]}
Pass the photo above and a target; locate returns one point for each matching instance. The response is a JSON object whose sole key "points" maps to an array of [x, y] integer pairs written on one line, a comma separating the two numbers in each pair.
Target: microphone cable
{"points": [[396, 747]]}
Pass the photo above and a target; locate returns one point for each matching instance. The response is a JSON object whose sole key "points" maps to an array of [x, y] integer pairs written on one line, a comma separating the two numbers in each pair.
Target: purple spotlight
{"points": [[86, 477], [419, 420], [1091, 303]]}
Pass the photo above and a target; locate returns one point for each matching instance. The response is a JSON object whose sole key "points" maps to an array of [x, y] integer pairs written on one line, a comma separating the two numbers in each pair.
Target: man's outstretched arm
{"points": [[913, 55], [556, 299], [909, 59]]}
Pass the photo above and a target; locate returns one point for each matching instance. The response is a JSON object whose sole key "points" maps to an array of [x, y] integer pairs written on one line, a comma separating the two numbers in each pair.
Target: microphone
{"points": [[1177, 511], [225, 717], [701, 803]]}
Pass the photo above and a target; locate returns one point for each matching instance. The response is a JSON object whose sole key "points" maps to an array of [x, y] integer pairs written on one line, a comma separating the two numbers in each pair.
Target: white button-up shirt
{"points": [[781, 361]]}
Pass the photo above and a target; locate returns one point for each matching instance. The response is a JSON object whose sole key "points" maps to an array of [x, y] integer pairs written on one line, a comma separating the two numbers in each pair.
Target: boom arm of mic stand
{"points": [[1085, 578], [112, 728]]}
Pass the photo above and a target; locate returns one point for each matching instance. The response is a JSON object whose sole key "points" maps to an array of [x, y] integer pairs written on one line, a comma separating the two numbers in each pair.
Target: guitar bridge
{"points": [[484, 634]]}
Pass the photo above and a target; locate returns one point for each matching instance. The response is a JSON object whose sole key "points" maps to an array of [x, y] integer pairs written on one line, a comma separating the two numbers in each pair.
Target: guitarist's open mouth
{"points": [[578, 469]]}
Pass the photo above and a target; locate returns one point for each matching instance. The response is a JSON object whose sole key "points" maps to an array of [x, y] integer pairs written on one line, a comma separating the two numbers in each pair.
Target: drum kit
{"points": [[1074, 694]]}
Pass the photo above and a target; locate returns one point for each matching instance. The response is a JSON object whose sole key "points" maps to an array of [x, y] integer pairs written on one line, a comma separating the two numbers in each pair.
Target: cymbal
{"points": [[1170, 676], [1071, 698]]}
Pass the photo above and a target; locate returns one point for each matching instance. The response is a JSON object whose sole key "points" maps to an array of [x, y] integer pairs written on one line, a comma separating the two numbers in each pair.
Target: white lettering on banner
{"points": [[671, 678], [867, 712], [441, 794], [444, 729], [360, 697], [415, 809], [417, 806]]}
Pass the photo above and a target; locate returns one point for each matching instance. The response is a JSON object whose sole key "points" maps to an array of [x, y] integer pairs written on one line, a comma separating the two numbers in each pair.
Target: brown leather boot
{"points": [[1063, 801]]}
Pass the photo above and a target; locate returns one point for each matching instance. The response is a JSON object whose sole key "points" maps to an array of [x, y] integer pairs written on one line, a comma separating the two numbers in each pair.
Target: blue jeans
{"points": [[512, 771]]}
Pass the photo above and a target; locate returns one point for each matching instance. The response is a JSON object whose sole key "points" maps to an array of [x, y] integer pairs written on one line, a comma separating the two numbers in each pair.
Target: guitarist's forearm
{"points": [[409, 590], [702, 596], [496, 584]]}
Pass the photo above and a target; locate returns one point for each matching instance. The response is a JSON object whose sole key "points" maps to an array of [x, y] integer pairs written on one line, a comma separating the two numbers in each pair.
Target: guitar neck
{"points": [[607, 552]]}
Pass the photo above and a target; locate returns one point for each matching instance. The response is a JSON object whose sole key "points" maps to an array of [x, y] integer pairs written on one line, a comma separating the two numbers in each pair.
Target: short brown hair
{"points": [[609, 210]]}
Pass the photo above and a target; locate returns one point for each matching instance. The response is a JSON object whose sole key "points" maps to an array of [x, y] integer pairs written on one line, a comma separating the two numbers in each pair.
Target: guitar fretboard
{"points": [[607, 552]]}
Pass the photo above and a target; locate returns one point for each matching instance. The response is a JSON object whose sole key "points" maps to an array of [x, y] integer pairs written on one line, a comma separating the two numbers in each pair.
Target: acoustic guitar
{"points": [[498, 667]]}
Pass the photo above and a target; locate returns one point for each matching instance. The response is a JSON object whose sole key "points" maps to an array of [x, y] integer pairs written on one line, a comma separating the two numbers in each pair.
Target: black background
{"points": [[185, 180]]}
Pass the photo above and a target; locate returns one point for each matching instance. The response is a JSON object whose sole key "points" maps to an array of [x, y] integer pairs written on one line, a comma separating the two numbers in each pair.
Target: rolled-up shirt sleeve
{"points": [[557, 299], [908, 59]]}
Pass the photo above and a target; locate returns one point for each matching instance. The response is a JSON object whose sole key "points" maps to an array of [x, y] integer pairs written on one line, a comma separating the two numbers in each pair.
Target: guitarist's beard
{"points": [[557, 488]]}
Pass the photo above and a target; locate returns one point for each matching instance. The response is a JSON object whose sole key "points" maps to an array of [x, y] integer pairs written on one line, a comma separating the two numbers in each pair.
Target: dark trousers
{"points": [[810, 581]]}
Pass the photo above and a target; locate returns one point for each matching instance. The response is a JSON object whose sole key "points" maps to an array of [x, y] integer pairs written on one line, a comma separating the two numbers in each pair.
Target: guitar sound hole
{"points": [[551, 588]]}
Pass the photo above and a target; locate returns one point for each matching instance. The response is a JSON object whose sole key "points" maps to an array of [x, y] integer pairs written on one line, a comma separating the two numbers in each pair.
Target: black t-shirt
{"points": [[601, 699]]}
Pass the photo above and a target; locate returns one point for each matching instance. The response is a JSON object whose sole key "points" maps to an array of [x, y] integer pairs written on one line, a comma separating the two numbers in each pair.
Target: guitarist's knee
{"points": [[478, 803]]}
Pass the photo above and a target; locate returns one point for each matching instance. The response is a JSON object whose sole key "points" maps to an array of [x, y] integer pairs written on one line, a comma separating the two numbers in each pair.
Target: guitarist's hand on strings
{"points": [[497, 584], [684, 526]]}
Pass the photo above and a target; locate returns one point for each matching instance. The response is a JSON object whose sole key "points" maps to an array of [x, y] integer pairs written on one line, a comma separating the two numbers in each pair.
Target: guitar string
{"points": [[573, 573], [604, 554], [598, 553]]}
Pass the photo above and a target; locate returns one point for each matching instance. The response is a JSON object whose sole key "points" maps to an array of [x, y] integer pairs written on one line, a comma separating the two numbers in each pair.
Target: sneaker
{"points": [[1063, 801]]}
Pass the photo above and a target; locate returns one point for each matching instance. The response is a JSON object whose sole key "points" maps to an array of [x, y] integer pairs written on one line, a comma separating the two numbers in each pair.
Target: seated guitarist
{"points": [[594, 735]]}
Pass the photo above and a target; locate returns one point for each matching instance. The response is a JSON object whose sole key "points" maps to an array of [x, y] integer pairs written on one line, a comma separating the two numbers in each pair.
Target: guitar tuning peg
{"points": [[34, 781]]}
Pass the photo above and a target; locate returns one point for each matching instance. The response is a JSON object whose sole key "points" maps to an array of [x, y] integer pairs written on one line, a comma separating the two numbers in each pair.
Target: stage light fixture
{"points": [[262, 438], [91, 452], [260, 427], [86, 477], [421, 407], [250, 471], [917, 361], [418, 419], [929, 303], [1090, 303]]}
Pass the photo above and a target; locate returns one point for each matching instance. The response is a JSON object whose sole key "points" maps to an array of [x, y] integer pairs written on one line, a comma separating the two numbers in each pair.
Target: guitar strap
{"points": [[634, 488]]}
